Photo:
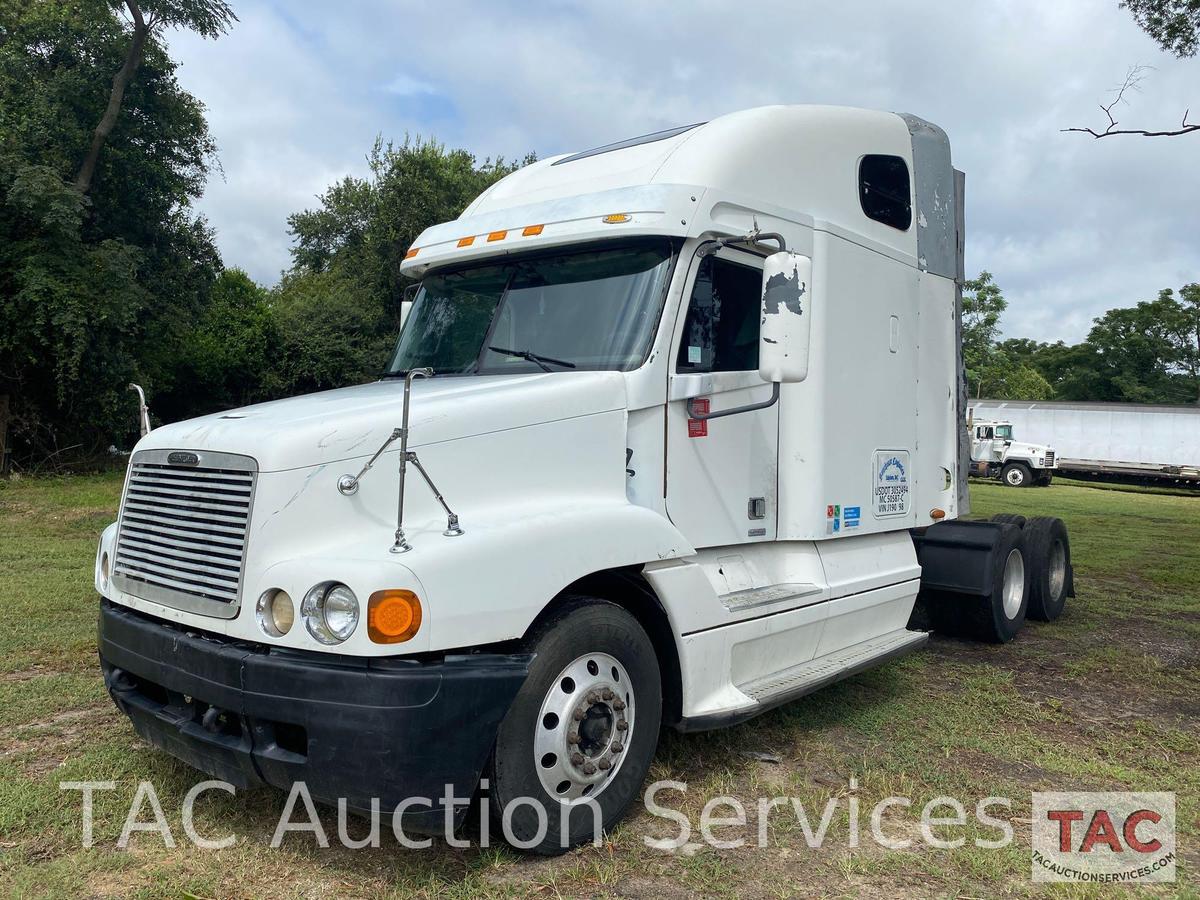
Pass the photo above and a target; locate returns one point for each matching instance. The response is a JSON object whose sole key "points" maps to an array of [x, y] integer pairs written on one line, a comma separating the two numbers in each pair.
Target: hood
{"points": [[353, 422], [1020, 448]]}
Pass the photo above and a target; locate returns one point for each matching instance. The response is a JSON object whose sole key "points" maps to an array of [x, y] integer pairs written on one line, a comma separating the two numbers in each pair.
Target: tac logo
{"points": [[1104, 838]]}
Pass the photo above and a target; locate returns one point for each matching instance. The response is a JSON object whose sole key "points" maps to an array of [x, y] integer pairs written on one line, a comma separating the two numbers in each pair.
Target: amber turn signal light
{"points": [[393, 616]]}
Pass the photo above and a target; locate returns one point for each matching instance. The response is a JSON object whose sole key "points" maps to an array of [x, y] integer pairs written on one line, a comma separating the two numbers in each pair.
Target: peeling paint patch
{"points": [[783, 292]]}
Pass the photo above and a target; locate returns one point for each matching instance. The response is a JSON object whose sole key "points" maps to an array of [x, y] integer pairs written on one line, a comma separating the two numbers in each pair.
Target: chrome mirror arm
{"points": [[143, 409], [452, 526], [348, 484]]}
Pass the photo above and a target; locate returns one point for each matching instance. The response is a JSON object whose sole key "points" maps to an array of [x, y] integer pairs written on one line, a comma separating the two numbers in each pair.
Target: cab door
{"points": [[721, 484]]}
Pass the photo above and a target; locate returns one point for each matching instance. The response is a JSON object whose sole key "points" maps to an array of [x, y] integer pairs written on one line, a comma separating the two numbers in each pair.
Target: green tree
{"points": [[1144, 351], [95, 290], [230, 357], [1174, 24], [210, 18], [338, 307], [982, 305]]}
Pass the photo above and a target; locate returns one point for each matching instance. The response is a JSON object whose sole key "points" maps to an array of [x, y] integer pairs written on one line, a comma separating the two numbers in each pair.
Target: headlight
{"points": [[330, 612], [275, 613]]}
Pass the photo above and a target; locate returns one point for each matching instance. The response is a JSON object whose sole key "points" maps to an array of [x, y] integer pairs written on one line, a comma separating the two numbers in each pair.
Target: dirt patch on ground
{"points": [[40, 747]]}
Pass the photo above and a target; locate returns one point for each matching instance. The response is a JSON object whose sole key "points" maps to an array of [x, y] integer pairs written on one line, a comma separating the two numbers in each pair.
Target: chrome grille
{"points": [[1049, 459], [182, 539]]}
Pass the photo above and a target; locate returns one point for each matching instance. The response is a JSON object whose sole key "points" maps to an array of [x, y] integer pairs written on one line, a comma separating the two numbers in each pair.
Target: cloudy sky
{"points": [[1069, 226]]}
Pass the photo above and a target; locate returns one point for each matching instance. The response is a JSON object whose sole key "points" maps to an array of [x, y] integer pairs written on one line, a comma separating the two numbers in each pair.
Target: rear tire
{"points": [[1016, 474], [1009, 519], [997, 617], [591, 658], [1048, 555]]}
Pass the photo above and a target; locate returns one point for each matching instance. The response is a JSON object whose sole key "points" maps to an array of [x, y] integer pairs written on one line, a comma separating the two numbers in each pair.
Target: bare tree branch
{"points": [[1132, 83]]}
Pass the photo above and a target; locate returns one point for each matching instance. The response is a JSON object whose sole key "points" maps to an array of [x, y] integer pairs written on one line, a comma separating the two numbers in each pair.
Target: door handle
{"points": [[749, 407]]}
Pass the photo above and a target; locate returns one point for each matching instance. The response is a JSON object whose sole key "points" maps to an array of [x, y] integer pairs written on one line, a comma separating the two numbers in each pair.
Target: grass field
{"points": [[1108, 698]]}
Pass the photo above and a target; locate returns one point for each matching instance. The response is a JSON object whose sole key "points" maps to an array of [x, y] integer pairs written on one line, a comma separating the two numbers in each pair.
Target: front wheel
{"points": [[579, 738], [1016, 474]]}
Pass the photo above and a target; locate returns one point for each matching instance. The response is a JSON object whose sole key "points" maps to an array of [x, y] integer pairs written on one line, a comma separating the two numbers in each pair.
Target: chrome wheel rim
{"points": [[1058, 569], [583, 728], [1014, 583]]}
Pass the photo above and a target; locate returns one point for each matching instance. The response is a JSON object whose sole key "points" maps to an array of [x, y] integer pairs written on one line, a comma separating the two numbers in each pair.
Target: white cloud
{"points": [[407, 86], [1068, 225]]}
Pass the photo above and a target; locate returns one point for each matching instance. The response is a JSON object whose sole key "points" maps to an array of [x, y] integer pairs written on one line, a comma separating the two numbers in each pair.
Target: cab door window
{"points": [[720, 333]]}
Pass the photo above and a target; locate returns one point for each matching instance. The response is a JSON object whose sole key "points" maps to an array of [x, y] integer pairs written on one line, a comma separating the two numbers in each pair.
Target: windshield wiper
{"points": [[535, 358]]}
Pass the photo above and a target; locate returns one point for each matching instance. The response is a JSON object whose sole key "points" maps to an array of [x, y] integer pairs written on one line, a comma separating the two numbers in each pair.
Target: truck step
{"points": [[811, 676]]}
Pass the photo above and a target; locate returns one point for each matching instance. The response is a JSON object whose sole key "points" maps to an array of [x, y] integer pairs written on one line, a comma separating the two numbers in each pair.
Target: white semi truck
{"points": [[995, 453], [673, 434]]}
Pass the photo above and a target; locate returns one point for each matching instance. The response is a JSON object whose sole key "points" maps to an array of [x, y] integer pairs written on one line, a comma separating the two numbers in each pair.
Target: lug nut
{"points": [[605, 764], [577, 715], [618, 705], [589, 769], [608, 695], [572, 738], [617, 747], [622, 725], [577, 759], [592, 697]]}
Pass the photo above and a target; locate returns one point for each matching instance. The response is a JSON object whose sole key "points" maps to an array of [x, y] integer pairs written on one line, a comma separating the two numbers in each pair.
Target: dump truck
{"points": [[673, 433]]}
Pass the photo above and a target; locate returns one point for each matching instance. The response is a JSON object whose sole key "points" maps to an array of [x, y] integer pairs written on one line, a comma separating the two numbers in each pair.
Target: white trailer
{"points": [[694, 408], [1125, 439]]}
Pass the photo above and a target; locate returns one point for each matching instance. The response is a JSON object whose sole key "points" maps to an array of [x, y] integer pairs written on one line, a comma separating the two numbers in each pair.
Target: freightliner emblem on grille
{"points": [[182, 458]]}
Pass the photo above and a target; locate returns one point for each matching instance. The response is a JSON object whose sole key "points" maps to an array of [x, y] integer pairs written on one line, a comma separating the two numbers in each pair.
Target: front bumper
{"points": [[348, 727]]}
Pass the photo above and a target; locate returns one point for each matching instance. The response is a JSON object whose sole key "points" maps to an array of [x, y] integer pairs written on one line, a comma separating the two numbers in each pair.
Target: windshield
{"points": [[1004, 432], [592, 309]]}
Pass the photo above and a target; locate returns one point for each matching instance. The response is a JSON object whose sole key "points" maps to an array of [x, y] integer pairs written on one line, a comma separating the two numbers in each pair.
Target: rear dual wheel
{"points": [[1047, 550], [997, 616]]}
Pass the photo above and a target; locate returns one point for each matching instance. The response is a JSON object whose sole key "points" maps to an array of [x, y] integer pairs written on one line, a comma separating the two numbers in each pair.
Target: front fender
{"points": [[489, 584]]}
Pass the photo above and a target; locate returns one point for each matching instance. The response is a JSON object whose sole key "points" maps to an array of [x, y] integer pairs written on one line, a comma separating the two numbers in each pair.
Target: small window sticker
{"points": [[693, 355]]}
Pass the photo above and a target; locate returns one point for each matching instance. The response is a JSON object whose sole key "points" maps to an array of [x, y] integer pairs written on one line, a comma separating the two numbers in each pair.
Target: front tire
{"points": [[582, 730], [1016, 474]]}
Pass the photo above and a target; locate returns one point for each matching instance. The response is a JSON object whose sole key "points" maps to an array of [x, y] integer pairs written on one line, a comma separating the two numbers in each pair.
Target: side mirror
{"points": [[786, 318], [406, 301]]}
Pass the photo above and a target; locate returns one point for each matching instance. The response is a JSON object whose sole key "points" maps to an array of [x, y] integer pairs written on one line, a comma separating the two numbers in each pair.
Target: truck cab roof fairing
{"points": [[800, 160]]}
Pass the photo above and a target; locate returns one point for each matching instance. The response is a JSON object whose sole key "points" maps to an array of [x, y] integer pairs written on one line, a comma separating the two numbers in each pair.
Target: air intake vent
{"points": [[182, 540]]}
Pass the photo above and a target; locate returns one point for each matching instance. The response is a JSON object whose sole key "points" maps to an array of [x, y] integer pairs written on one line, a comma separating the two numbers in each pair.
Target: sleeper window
{"points": [[883, 190], [720, 333]]}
